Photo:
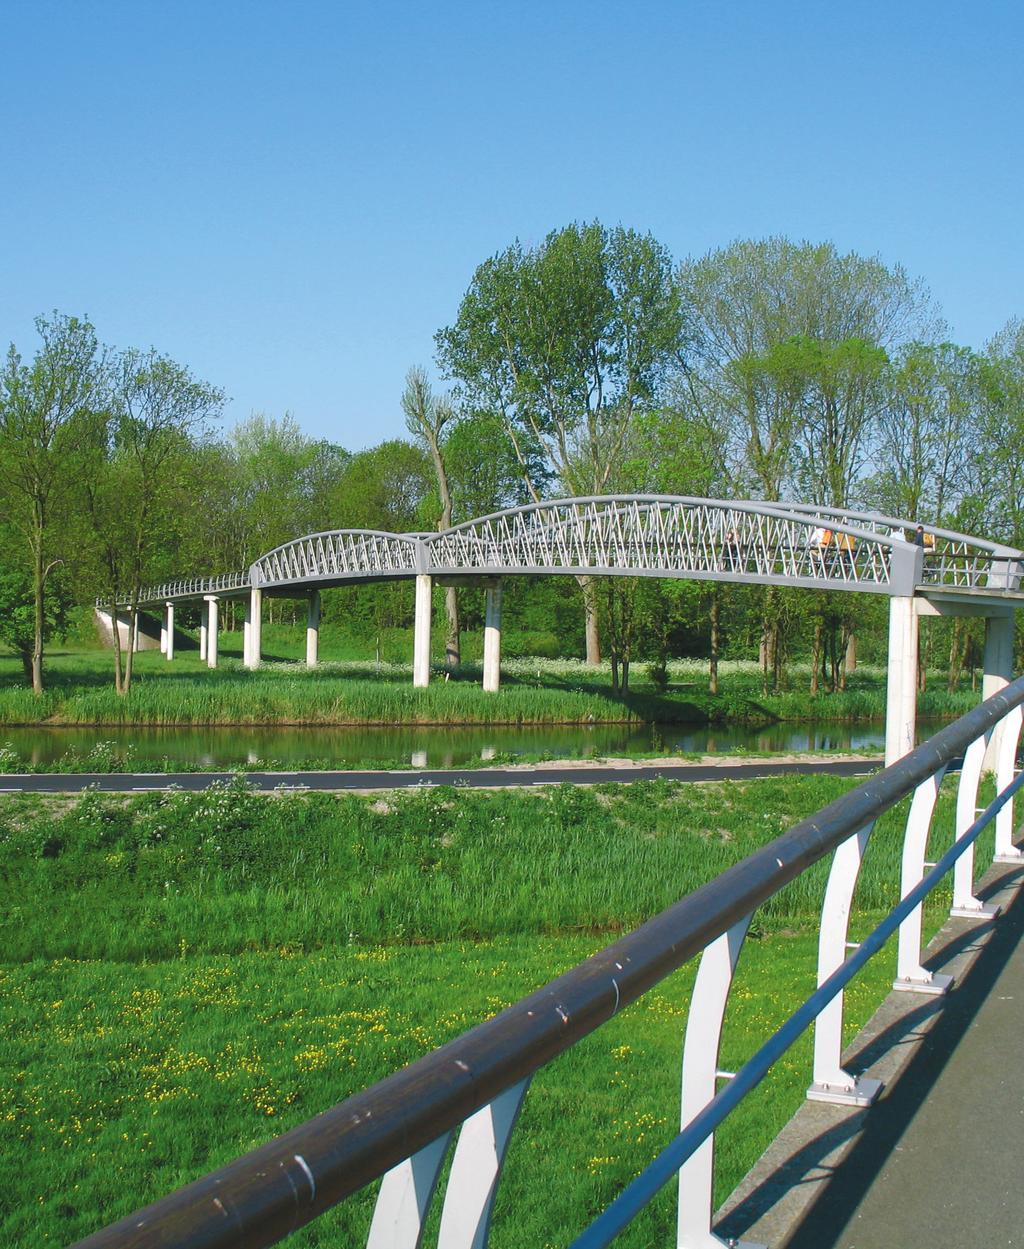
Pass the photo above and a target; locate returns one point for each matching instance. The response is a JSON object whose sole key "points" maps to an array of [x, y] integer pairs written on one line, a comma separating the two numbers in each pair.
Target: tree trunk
{"points": [[850, 662], [765, 652], [625, 674], [815, 656], [453, 647], [38, 586], [129, 659], [716, 608], [955, 656], [924, 658], [615, 672], [844, 642], [590, 613], [833, 659]]}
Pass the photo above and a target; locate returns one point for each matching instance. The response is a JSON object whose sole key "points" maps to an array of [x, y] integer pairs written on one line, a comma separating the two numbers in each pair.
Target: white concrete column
{"points": [[254, 616], [136, 640], [169, 630], [492, 639], [163, 638], [998, 672], [901, 699], [202, 634], [211, 632], [247, 632], [313, 630], [421, 639]]}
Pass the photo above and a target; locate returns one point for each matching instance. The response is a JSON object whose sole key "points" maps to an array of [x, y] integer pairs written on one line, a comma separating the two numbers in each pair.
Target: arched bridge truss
{"points": [[784, 544], [638, 535]]}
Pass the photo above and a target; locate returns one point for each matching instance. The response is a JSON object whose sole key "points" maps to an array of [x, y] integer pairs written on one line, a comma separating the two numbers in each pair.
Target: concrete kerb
{"points": [[788, 1189]]}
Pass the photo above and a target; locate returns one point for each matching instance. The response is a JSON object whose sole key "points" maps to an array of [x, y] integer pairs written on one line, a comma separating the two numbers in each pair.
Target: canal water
{"points": [[430, 747]]}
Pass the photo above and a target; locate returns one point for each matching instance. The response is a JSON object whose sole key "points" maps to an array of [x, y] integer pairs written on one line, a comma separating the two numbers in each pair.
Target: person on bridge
{"points": [[733, 553], [821, 544], [845, 545]]}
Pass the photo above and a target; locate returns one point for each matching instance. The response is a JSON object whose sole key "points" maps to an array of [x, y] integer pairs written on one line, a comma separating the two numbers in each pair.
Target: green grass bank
{"points": [[186, 975], [79, 691]]}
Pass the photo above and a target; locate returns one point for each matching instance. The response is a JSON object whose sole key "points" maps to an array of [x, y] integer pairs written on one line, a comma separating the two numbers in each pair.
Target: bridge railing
{"points": [[355, 553], [400, 1130], [671, 535], [952, 559], [186, 587]]}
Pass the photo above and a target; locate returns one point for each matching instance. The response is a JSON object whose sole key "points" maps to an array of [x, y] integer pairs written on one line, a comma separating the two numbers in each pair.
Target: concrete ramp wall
{"points": [[147, 633]]}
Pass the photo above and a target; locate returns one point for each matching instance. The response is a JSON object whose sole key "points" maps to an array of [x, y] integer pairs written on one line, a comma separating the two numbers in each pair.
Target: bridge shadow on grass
{"points": [[648, 705], [881, 1128]]}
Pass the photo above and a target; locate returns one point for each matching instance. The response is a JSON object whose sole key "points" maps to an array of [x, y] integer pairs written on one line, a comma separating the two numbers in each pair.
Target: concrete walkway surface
{"points": [[938, 1161]]}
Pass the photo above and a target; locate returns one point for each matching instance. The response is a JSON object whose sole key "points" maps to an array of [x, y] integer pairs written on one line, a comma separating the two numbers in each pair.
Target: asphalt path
{"points": [[463, 778]]}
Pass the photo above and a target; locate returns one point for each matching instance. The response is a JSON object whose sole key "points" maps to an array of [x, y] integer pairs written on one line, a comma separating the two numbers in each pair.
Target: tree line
{"points": [[588, 363]]}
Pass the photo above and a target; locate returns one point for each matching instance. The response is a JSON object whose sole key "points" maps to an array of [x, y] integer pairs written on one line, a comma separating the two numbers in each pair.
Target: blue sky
{"points": [[292, 197]]}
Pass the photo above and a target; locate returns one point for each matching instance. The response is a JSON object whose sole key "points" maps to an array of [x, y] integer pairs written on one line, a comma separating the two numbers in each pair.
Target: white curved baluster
{"points": [[831, 1082], [404, 1199], [476, 1167], [1005, 850], [910, 974], [699, 1083], [965, 904]]}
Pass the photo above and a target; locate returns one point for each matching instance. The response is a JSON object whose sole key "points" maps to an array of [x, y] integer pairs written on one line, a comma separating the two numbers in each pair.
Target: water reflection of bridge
{"points": [[740, 542]]}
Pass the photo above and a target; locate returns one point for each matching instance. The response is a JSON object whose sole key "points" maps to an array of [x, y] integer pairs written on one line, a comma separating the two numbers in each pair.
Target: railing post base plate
{"points": [[935, 983], [1010, 856], [983, 910], [862, 1092]]}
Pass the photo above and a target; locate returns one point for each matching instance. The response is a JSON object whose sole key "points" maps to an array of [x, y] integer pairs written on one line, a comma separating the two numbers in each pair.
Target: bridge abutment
{"points": [[492, 638], [421, 639]]}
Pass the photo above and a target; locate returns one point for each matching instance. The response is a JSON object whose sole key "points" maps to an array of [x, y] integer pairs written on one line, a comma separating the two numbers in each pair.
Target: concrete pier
{"points": [[313, 630], [254, 628], [421, 641], [998, 669], [901, 698], [211, 631], [168, 647], [492, 638]]}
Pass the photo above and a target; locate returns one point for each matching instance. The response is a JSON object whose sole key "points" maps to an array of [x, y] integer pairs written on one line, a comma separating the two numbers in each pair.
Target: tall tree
{"points": [[155, 407], [427, 417], [283, 480], [568, 341], [999, 463], [927, 431], [48, 429], [788, 342]]}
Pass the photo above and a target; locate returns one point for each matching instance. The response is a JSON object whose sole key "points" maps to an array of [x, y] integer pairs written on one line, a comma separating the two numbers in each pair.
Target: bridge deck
{"points": [[936, 1162]]}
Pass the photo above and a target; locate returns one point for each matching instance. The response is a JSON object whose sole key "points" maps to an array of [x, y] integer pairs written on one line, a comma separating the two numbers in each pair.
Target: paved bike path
{"points": [[955, 1178], [468, 778]]}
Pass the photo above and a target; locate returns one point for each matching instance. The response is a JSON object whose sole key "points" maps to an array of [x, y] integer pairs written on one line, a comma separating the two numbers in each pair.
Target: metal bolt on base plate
{"points": [[936, 984], [862, 1092], [982, 911]]}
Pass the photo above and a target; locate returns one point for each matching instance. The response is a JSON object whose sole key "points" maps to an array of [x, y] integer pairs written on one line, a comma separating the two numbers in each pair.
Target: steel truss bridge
{"points": [[746, 542], [637, 535]]}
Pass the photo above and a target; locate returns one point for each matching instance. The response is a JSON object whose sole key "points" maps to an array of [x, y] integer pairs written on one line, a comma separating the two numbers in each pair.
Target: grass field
{"points": [[79, 691], [186, 975]]}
